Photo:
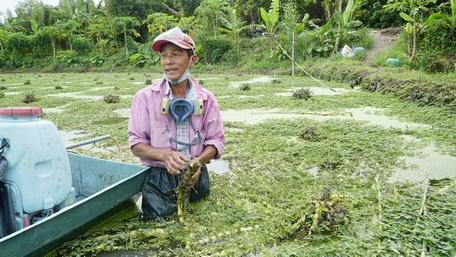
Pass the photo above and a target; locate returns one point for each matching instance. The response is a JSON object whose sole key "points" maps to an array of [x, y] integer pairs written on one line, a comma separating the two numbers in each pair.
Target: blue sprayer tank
{"points": [[37, 159]]}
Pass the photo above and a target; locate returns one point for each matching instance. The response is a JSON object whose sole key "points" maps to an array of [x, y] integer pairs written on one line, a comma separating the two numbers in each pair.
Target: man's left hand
{"points": [[192, 181]]}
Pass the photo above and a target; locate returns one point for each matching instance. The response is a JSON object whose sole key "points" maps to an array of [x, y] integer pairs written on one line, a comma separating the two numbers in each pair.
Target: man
{"points": [[173, 122]]}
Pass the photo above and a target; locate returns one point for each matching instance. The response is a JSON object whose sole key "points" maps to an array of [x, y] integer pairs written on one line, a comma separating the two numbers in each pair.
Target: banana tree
{"points": [[344, 22], [4, 34], [411, 11], [52, 33], [233, 27], [125, 25], [271, 19]]}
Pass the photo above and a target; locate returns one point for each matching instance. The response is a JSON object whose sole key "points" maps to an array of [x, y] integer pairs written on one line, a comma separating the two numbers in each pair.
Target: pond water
{"points": [[260, 79], [371, 115], [75, 136], [317, 91], [427, 163], [79, 95], [219, 167]]}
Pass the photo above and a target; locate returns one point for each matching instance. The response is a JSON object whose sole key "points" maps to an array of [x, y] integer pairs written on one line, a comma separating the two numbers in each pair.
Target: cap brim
{"points": [[157, 45]]}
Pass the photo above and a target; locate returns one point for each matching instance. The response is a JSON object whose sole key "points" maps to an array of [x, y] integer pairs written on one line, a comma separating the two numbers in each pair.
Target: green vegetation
{"points": [[319, 184], [313, 188], [116, 35]]}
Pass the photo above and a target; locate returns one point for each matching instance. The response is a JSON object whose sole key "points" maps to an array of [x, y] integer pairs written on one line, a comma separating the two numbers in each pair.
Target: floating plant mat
{"points": [[273, 201], [270, 205]]}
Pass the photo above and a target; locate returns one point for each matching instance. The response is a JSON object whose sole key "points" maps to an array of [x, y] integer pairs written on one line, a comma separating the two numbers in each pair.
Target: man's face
{"points": [[174, 61]]}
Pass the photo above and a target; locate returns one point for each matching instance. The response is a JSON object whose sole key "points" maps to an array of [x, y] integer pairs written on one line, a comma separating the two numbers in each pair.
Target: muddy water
{"points": [[370, 115], [75, 136], [261, 79], [219, 167], [317, 91], [426, 163], [79, 95]]}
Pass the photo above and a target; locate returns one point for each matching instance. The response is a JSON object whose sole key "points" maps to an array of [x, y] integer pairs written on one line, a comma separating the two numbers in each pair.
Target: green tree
{"points": [[50, 33], [344, 22], [271, 19], [125, 26], [209, 13], [233, 26], [99, 30], [159, 22], [4, 34], [413, 12]]}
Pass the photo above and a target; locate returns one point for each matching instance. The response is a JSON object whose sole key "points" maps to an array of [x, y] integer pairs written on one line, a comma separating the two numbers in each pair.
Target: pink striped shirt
{"points": [[147, 125]]}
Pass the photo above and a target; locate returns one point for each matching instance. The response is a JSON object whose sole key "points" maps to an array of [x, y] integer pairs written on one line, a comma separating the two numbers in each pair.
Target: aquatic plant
{"points": [[183, 190], [29, 98], [111, 99], [302, 93], [245, 87]]}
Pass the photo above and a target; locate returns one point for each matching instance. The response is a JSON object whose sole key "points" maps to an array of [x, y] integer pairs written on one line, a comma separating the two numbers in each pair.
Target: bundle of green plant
{"points": [[148, 82], [2, 87], [323, 215], [201, 82], [244, 87], [3, 80], [99, 83], [276, 81], [309, 133], [27, 82], [116, 88], [2, 95], [302, 93], [29, 98], [132, 78], [183, 191], [111, 99], [58, 87]]}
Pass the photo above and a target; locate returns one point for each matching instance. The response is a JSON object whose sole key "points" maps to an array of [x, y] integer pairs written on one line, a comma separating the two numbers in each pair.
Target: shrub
{"points": [[66, 58], [96, 59], [433, 62], [213, 49], [81, 44]]}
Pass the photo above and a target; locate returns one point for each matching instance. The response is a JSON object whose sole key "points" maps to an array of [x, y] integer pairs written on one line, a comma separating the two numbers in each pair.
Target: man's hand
{"points": [[174, 161], [191, 182]]}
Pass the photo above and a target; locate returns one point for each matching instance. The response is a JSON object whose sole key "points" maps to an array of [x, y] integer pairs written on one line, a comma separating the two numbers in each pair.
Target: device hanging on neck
{"points": [[180, 107]]}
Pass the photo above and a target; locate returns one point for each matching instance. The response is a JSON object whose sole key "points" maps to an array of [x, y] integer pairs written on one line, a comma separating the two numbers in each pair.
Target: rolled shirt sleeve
{"points": [[213, 126]]}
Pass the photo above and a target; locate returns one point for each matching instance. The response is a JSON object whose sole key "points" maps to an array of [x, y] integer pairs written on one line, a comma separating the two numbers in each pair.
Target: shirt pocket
{"points": [[159, 137]]}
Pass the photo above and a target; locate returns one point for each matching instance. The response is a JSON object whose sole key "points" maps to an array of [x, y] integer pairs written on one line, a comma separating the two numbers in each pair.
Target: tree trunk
{"points": [[414, 42], [125, 39], [53, 47], [1, 46], [69, 42]]}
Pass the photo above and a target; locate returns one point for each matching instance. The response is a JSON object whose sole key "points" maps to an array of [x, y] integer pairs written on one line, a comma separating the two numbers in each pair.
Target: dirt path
{"points": [[383, 39]]}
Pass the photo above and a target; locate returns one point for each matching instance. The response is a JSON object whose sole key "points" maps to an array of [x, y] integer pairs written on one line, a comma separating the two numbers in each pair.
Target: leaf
{"points": [[306, 17], [265, 17], [354, 24], [453, 8], [299, 28], [406, 17], [274, 12], [34, 25]]}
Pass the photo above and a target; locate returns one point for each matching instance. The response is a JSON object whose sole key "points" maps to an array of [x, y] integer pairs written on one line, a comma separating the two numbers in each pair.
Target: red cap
{"points": [[175, 36], [21, 111]]}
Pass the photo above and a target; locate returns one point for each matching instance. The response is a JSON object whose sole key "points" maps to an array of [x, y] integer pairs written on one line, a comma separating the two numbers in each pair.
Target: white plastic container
{"points": [[37, 159]]}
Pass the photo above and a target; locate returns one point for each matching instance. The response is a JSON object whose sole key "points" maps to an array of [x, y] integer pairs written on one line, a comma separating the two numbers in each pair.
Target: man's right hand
{"points": [[174, 161]]}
